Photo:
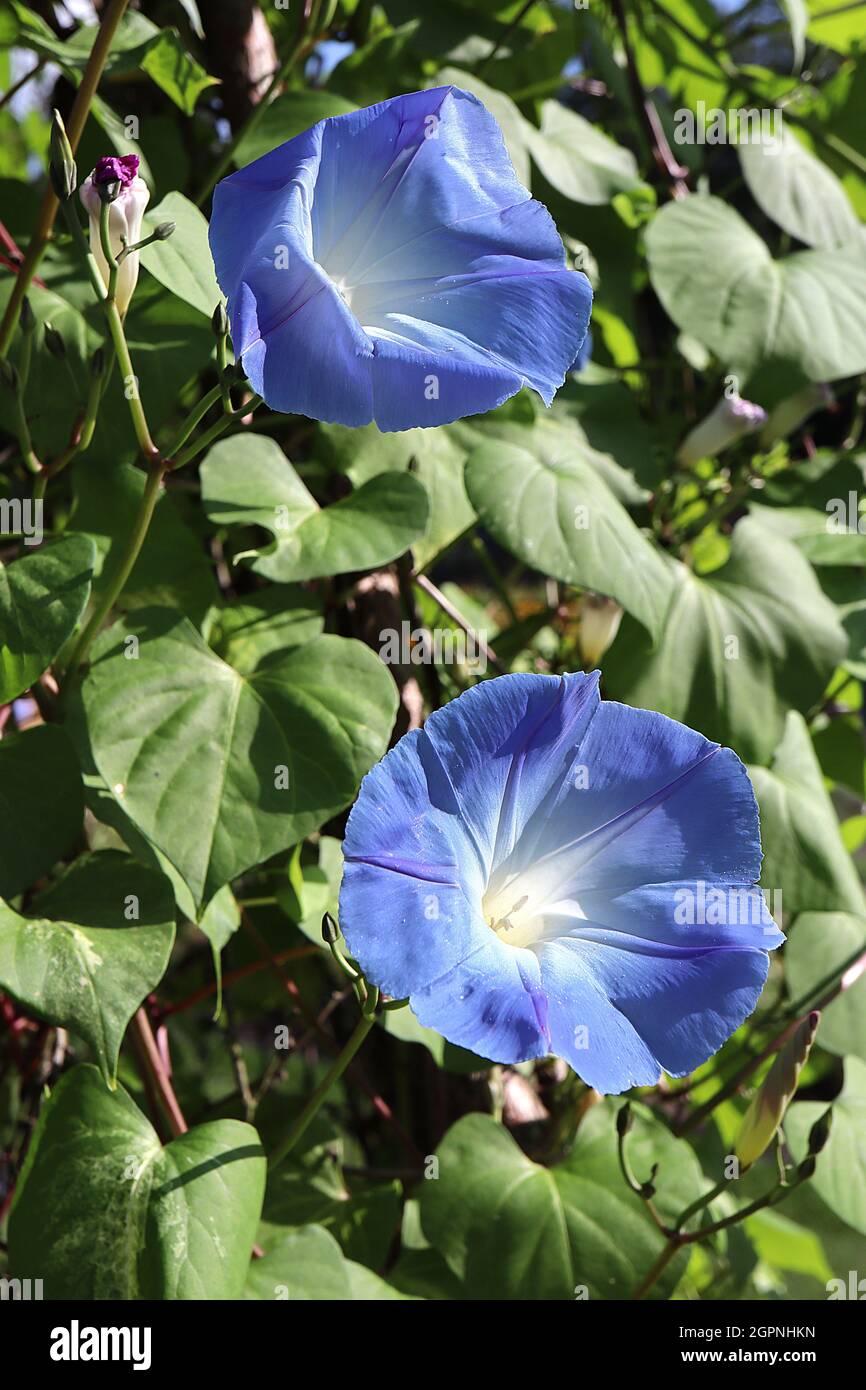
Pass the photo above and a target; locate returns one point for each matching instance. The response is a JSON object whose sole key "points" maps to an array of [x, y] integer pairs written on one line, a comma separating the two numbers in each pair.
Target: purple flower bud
{"points": [[122, 169], [125, 215], [728, 421]]}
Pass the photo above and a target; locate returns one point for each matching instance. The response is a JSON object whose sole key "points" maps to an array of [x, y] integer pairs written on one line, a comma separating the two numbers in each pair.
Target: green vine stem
{"points": [[197, 413], [48, 209], [113, 590], [213, 433], [678, 1238], [335, 1071]]}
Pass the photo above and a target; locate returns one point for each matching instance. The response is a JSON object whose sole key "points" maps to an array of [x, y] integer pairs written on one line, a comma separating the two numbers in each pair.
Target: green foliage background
{"points": [[716, 268]]}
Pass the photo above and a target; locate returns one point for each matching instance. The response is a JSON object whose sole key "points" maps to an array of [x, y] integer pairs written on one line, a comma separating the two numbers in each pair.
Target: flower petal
{"points": [[560, 842], [645, 1009], [492, 1003], [658, 802], [410, 876], [448, 284], [503, 744], [423, 832], [680, 913]]}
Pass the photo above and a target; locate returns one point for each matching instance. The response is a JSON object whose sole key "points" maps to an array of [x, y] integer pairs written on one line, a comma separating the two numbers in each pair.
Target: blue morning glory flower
{"points": [[388, 265], [542, 871]]}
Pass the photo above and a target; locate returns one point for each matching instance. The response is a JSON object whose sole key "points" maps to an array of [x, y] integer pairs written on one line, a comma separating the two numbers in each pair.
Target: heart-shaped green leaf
{"points": [[740, 646], [717, 280], [270, 620], [797, 191], [436, 457], [37, 828], [510, 1229], [42, 597], [221, 771], [840, 1176], [543, 493], [308, 1264], [183, 263], [249, 481], [578, 159], [821, 946], [804, 856], [96, 944], [103, 1211]]}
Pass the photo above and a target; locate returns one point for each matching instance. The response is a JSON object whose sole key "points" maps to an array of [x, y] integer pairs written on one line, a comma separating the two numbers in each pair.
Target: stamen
{"points": [[505, 923]]}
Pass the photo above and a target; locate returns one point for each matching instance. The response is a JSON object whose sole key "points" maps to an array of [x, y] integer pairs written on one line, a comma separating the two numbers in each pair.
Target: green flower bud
{"points": [[766, 1112], [648, 1188], [624, 1120], [61, 162], [791, 413], [219, 321], [330, 930], [54, 342], [807, 1168], [820, 1132], [9, 374], [164, 231]]}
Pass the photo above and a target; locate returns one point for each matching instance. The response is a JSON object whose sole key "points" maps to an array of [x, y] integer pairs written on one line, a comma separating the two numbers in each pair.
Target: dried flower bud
{"points": [[600, 618], [767, 1110]]}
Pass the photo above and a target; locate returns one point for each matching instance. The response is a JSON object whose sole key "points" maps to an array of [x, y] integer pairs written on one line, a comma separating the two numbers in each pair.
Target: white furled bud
{"points": [[729, 420], [125, 213]]}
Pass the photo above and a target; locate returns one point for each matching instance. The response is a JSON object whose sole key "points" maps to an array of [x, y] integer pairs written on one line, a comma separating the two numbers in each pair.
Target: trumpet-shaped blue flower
{"points": [[542, 871], [388, 265]]}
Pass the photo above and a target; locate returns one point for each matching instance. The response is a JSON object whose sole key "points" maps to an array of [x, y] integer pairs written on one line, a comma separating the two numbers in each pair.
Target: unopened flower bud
{"points": [[125, 214], [54, 342], [330, 930], [728, 421], [767, 1110], [790, 414], [820, 1131], [164, 231], [61, 161], [648, 1188], [807, 1168], [600, 618], [219, 321], [624, 1120], [9, 374]]}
